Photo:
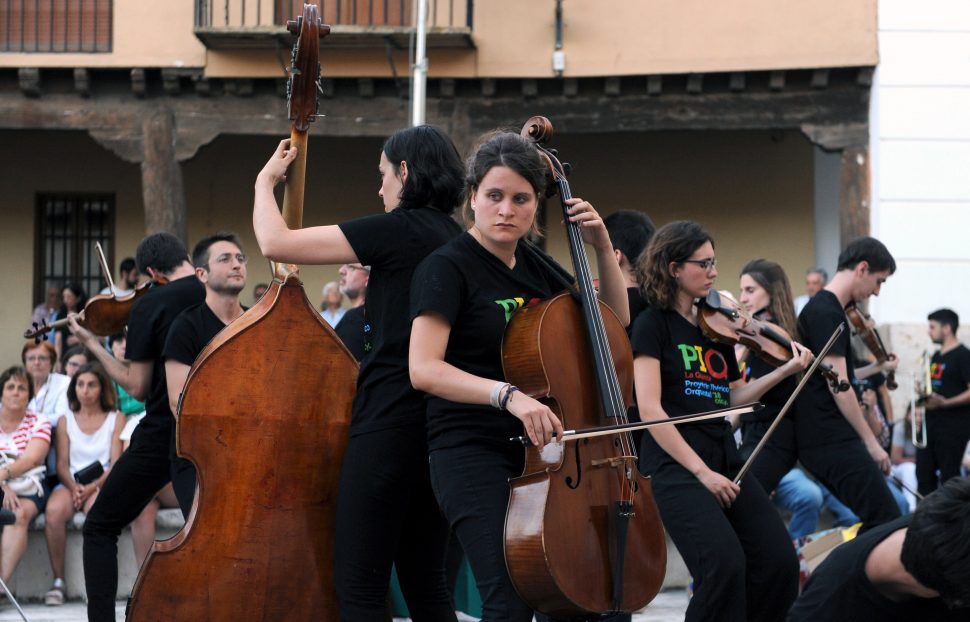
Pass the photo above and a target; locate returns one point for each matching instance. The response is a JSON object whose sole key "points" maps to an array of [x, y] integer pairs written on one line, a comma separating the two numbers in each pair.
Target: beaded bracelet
{"points": [[508, 396]]}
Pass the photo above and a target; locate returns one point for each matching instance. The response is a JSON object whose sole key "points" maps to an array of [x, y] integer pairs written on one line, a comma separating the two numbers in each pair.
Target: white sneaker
{"points": [[55, 596]]}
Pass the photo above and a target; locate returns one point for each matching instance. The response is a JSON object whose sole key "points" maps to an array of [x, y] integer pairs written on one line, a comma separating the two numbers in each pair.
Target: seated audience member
{"points": [[50, 389], [903, 457], [74, 359], [24, 439], [332, 308], [46, 312], [913, 568], [73, 299], [50, 393], [126, 403], [258, 291], [89, 433], [127, 281]]}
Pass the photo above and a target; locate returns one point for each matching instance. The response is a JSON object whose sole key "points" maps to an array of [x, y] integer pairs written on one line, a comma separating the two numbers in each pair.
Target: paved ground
{"points": [[667, 607]]}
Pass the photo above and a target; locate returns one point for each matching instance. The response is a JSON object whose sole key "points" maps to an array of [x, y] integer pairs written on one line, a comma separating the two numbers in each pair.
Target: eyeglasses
{"points": [[705, 264], [351, 266], [226, 258], [38, 359]]}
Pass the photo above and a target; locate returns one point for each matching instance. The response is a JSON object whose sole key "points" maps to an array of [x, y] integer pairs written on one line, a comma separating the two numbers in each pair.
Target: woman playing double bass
{"points": [[731, 538], [386, 512], [463, 295]]}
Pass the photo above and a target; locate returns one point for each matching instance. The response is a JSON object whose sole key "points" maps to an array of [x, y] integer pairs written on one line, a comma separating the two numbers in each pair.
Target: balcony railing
{"points": [[249, 23], [55, 25]]}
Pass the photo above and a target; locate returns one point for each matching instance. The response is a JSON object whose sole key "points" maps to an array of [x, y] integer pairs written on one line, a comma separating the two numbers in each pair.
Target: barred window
{"points": [[68, 227]]}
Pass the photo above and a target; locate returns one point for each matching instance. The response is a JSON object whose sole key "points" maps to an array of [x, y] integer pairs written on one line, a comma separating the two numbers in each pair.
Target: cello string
{"points": [[602, 353]]}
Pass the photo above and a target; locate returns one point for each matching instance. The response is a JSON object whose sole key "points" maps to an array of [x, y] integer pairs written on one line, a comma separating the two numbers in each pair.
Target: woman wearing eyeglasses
{"points": [[731, 538]]}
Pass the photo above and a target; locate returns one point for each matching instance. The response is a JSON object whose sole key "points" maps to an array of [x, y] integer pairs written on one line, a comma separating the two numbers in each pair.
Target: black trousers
{"points": [[472, 488], [741, 558], [132, 482], [946, 441], [844, 467], [387, 514]]}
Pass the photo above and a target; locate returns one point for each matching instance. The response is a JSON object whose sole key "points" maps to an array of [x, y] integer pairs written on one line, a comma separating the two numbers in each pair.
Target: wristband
{"points": [[508, 396], [497, 389]]}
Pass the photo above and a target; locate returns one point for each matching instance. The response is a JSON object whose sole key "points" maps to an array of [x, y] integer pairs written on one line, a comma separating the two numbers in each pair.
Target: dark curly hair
{"points": [[672, 243]]}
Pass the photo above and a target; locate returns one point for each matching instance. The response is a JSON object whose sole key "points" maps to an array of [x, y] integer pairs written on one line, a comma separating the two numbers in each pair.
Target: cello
{"points": [[583, 534], [264, 416]]}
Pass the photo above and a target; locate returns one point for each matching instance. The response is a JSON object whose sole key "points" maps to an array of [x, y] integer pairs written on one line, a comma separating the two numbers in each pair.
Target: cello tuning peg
{"points": [[567, 168], [554, 152]]}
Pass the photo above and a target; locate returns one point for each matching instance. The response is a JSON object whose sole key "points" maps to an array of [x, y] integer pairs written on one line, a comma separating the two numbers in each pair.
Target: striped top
{"points": [[30, 427]]}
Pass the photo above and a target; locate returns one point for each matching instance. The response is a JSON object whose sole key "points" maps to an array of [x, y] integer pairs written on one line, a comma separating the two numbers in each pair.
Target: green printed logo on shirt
{"points": [[709, 362], [510, 306]]}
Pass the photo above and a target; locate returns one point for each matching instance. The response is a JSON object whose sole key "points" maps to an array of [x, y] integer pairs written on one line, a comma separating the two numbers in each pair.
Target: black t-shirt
{"points": [[351, 329], [817, 417], [774, 398], [839, 589], [638, 304], [949, 376], [477, 294], [191, 331], [148, 327], [393, 245], [695, 376]]}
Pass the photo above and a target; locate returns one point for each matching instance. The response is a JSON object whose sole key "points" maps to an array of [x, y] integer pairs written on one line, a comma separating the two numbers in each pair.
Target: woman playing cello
{"points": [[731, 538], [463, 295], [384, 488]]}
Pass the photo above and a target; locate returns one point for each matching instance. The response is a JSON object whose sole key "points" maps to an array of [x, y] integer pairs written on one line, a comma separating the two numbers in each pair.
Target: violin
{"points": [[582, 532], [726, 321], [103, 315], [862, 325]]}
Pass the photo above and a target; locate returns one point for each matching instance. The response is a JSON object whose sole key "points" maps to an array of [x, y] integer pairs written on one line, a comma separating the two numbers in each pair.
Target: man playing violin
{"points": [[145, 467], [947, 407], [833, 439]]}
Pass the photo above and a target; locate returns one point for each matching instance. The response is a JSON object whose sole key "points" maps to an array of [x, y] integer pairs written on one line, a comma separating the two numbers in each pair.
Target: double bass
{"points": [[264, 416], [583, 535]]}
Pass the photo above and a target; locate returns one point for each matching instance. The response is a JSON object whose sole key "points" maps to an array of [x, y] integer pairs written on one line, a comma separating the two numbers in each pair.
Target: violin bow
{"points": [[576, 435], [104, 267], [791, 400]]}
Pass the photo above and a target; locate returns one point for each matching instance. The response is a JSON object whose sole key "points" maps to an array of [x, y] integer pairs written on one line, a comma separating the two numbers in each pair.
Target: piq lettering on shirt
{"points": [[936, 374], [511, 305], [701, 369], [703, 362]]}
